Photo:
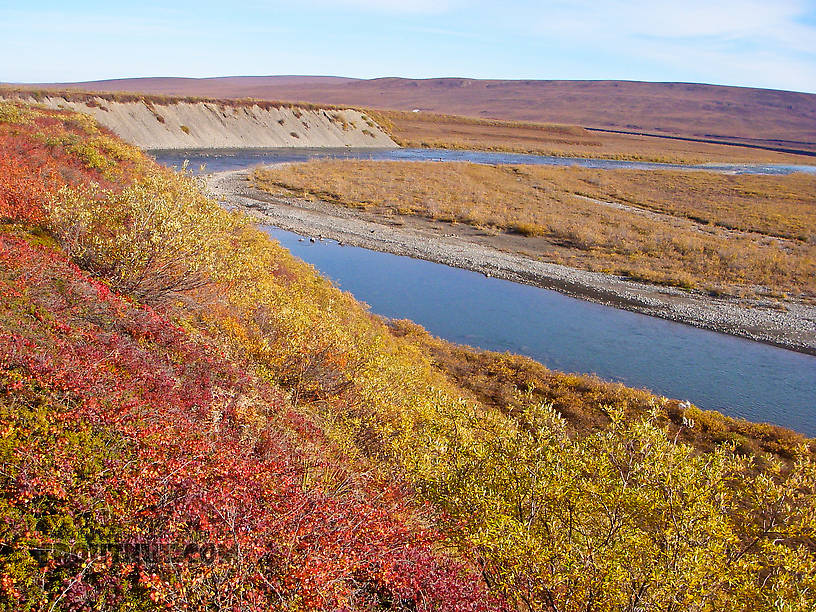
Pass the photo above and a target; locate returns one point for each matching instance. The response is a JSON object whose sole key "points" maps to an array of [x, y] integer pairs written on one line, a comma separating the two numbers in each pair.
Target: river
{"points": [[215, 160], [737, 377]]}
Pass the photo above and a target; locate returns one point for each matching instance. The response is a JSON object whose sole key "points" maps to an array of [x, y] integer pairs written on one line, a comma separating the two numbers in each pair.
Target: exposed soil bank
{"points": [[192, 125], [793, 328]]}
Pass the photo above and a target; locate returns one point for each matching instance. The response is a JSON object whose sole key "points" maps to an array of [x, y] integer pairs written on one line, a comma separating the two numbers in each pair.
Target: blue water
{"points": [[217, 160], [738, 377]]}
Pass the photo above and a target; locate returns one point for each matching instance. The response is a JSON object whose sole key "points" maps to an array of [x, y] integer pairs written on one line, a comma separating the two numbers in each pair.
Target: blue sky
{"points": [[759, 43]]}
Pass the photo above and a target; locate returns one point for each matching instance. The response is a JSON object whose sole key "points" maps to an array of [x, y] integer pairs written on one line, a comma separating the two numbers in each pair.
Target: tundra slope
{"points": [[794, 328]]}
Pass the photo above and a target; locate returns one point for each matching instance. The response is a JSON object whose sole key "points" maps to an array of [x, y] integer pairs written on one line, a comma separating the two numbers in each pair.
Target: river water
{"points": [[215, 160], [738, 377]]}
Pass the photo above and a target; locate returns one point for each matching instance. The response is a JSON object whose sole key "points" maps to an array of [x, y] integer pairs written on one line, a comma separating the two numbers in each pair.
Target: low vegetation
{"points": [[431, 130], [507, 382], [190, 418], [161, 439], [98, 98], [722, 233]]}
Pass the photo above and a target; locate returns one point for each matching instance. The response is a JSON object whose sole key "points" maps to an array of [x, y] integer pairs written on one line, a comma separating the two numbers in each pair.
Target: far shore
{"points": [[466, 247]]}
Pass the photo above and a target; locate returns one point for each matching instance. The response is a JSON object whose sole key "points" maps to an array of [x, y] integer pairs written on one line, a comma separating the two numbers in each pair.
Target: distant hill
{"points": [[226, 87], [783, 118]]}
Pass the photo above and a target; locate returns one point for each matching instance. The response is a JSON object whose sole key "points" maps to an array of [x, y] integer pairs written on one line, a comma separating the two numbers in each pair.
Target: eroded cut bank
{"points": [[181, 123]]}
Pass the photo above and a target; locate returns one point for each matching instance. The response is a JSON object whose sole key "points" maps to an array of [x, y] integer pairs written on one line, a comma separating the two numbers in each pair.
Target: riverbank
{"points": [[793, 327], [719, 234], [426, 129], [157, 122]]}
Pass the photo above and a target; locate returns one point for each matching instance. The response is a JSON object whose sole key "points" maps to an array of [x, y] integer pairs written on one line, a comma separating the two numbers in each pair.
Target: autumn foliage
{"points": [[144, 468], [192, 419]]}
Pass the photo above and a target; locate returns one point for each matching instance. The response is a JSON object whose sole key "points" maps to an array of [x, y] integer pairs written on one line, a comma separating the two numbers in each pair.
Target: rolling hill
{"points": [[781, 119]]}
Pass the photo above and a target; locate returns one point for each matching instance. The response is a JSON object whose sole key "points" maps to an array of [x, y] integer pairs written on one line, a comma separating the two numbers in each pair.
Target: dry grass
{"points": [[93, 98], [664, 227], [458, 132], [782, 206], [454, 132]]}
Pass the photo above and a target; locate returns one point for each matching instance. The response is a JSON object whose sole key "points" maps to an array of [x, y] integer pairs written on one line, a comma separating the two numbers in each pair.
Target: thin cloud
{"points": [[776, 22], [444, 32], [766, 44], [409, 7]]}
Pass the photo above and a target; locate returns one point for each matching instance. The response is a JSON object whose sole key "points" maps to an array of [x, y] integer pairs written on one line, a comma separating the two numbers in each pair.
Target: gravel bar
{"points": [[792, 327]]}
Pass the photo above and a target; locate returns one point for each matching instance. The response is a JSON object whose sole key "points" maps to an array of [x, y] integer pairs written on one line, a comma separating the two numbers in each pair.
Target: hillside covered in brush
{"points": [[191, 418]]}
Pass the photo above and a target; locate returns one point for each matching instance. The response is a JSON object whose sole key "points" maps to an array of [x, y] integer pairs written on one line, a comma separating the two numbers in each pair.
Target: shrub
{"points": [[150, 240], [626, 517], [529, 229]]}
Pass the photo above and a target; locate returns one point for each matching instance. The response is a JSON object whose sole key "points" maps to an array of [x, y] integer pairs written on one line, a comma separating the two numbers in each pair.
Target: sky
{"points": [[756, 43]]}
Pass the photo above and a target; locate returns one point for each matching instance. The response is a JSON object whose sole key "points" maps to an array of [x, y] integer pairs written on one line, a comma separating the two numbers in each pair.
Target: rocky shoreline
{"points": [[793, 327]]}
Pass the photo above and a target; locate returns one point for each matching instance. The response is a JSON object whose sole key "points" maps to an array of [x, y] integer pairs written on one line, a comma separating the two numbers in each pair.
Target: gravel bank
{"points": [[793, 328]]}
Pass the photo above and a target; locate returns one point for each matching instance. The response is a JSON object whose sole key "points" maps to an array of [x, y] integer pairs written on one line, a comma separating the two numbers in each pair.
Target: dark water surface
{"points": [[738, 377], [217, 160]]}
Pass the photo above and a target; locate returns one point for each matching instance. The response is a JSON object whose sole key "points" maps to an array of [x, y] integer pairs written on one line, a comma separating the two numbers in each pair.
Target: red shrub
{"points": [[33, 165], [22, 190], [141, 466], [195, 497]]}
